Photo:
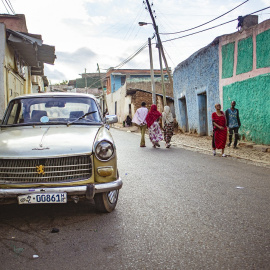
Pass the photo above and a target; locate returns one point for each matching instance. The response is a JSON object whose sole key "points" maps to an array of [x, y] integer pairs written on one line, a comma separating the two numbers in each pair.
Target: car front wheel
{"points": [[106, 202]]}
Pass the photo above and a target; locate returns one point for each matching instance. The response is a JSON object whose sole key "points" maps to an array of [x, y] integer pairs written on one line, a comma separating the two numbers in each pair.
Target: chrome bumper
{"points": [[88, 190]]}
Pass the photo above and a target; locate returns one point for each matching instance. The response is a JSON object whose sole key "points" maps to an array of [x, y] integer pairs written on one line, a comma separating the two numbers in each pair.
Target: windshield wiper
{"points": [[70, 123]]}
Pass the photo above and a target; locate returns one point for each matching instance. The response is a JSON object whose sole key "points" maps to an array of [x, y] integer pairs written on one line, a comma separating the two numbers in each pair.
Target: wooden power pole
{"points": [[160, 46]]}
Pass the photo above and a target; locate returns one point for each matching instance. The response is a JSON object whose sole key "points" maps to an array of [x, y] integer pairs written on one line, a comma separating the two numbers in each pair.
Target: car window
{"points": [[44, 110]]}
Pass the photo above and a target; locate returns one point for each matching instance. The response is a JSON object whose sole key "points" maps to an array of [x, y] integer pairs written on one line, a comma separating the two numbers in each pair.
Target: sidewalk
{"points": [[258, 155]]}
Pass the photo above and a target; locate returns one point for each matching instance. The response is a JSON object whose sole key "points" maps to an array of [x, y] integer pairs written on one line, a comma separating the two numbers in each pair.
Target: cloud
{"points": [[54, 74], [80, 57]]}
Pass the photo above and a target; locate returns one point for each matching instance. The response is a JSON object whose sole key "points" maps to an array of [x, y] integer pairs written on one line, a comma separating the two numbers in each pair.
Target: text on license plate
{"points": [[43, 198]]}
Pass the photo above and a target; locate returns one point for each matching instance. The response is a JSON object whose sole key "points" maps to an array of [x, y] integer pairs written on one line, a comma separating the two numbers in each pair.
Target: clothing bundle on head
{"points": [[152, 115], [167, 116]]}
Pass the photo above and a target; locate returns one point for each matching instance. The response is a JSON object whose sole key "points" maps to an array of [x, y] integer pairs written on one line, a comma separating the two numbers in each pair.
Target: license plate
{"points": [[43, 198]]}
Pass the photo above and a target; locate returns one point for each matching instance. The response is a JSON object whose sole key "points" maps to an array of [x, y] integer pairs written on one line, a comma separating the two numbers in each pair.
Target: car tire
{"points": [[106, 202]]}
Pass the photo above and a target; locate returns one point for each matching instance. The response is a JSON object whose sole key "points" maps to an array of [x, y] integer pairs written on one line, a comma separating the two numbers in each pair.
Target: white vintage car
{"points": [[56, 147]]}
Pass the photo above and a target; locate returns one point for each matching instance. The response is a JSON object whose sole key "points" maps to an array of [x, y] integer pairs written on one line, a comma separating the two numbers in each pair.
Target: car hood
{"points": [[49, 141]]}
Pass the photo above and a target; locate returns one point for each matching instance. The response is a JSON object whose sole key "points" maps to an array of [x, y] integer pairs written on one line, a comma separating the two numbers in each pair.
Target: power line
{"points": [[10, 6], [213, 26], [124, 62], [204, 23], [5, 6], [133, 55]]}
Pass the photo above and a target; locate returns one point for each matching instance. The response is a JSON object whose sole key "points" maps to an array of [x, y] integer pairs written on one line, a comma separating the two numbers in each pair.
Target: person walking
{"points": [[139, 119], [152, 119], [233, 123], [167, 124], [220, 130]]}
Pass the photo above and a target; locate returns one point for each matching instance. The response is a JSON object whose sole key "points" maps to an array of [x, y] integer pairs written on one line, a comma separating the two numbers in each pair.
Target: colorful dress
{"points": [[155, 133], [220, 135], [168, 132], [167, 124], [154, 129]]}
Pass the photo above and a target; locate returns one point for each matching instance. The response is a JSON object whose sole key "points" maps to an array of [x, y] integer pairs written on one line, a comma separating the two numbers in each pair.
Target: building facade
{"points": [[196, 90], [234, 67], [22, 58], [244, 65], [126, 86]]}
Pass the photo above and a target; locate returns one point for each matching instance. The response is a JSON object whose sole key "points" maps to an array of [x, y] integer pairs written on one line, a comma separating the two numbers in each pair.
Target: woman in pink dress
{"points": [[154, 129], [220, 130]]}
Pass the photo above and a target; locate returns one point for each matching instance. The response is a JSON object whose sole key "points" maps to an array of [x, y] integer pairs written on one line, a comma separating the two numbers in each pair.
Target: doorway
{"points": [[202, 110], [183, 113]]}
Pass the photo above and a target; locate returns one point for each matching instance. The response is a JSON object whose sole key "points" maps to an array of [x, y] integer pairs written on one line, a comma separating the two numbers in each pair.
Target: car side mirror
{"points": [[110, 119]]}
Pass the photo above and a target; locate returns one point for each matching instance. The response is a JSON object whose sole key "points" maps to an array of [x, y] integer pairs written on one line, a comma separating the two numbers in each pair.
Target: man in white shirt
{"points": [[139, 119]]}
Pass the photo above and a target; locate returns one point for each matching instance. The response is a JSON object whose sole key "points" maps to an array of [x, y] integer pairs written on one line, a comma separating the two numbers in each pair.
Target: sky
{"points": [[106, 32]]}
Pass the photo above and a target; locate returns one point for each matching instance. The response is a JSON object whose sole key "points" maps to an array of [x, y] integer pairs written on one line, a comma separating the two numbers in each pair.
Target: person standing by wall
{"points": [[167, 124], [139, 119], [152, 119], [233, 123], [220, 130]]}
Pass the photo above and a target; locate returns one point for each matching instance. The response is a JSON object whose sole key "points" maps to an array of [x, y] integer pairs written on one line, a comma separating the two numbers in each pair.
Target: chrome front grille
{"points": [[49, 170]]}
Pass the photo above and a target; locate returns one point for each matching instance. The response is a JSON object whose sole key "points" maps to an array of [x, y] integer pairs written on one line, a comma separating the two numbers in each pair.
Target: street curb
{"points": [[257, 162]]}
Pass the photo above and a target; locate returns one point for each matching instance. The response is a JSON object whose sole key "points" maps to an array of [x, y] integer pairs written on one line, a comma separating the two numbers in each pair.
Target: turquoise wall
{"points": [[263, 49], [227, 60], [252, 98], [245, 55]]}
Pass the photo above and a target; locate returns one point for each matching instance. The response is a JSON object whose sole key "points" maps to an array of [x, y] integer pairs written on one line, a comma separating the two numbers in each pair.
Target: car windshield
{"points": [[52, 110]]}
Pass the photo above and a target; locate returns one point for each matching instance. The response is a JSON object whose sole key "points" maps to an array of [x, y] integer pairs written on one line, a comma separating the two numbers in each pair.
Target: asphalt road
{"points": [[178, 209]]}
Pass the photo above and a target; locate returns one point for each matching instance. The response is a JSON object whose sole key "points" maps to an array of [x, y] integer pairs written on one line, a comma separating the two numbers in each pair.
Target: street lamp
{"points": [[143, 23]]}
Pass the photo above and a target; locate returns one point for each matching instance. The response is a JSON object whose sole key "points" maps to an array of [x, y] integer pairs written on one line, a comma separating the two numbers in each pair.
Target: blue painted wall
{"points": [[197, 75], [116, 82]]}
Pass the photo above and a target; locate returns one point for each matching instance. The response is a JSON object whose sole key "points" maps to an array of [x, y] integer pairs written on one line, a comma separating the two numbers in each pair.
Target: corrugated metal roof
{"points": [[32, 50]]}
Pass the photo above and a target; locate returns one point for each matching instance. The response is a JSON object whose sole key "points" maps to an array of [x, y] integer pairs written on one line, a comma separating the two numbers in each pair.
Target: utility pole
{"points": [[159, 42], [103, 93], [152, 73], [161, 71], [85, 80]]}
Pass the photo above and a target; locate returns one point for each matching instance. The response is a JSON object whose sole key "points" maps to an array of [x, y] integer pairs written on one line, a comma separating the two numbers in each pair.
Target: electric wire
{"points": [[212, 27], [206, 22], [123, 62], [5, 6], [132, 26], [10, 6]]}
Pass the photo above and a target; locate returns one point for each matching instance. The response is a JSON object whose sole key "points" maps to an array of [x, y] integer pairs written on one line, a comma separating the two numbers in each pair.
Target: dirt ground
{"points": [[258, 155]]}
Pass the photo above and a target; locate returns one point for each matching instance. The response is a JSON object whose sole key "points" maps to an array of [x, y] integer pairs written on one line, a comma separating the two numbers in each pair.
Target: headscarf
{"points": [[167, 116], [152, 115]]}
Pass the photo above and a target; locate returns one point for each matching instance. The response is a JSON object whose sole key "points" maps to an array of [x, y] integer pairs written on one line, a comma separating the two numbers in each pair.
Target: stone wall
{"points": [[140, 97], [196, 82], [147, 86]]}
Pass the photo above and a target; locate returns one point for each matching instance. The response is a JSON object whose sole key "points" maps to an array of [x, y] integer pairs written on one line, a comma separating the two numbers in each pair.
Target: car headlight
{"points": [[104, 150]]}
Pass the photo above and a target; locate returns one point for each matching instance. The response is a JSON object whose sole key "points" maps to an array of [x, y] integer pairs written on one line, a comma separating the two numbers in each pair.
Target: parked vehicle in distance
{"points": [[56, 147]]}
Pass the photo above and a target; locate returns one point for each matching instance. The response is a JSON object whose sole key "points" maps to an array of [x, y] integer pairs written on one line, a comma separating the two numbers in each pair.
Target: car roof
{"points": [[55, 94]]}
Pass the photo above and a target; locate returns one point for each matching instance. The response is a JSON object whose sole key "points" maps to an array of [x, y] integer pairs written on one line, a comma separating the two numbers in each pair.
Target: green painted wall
{"points": [[227, 60], [245, 56], [263, 49], [252, 98]]}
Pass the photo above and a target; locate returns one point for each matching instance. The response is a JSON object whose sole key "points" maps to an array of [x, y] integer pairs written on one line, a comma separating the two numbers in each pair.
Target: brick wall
{"points": [[139, 97], [147, 86]]}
